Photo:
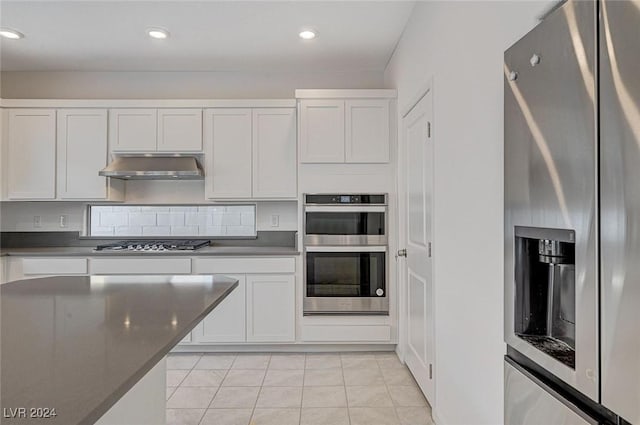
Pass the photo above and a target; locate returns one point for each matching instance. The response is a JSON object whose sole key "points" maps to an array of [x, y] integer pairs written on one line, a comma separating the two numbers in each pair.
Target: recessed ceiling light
{"points": [[158, 33], [308, 34], [12, 34]]}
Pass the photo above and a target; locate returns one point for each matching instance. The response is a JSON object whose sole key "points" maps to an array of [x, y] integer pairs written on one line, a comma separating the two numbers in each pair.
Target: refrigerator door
{"points": [[528, 401], [550, 168], [620, 207]]}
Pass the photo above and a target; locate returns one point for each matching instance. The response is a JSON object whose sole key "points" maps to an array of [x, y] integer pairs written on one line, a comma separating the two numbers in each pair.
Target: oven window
{"points": [[345, 274], [345, 223]]}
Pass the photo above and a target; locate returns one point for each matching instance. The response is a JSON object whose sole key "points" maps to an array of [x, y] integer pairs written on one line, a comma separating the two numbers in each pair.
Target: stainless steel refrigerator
{"points": [[572, 217]]}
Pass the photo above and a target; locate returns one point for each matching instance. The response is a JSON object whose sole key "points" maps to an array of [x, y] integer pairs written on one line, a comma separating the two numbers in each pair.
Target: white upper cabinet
{"points": [[133, 130], [250, 153], [228, 153], [155, 130], [322, 130], [180, 130], [82, 152], [345, 126], [31, 165], [274, 153], [367, 130]]}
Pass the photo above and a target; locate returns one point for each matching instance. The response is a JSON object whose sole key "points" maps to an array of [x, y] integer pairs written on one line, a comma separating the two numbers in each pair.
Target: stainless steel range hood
{"points": [[154, 167]]}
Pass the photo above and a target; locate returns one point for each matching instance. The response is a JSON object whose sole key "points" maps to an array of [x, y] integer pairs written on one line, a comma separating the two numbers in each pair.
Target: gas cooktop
{"points": [[146, 245]]}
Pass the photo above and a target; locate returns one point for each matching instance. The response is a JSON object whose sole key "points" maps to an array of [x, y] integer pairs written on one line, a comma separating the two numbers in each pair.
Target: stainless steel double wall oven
{"points": [[345, 254]]}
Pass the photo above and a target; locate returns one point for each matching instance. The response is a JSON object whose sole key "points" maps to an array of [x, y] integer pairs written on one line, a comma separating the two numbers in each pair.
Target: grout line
{"points": [[344, 388], [217, 389]]}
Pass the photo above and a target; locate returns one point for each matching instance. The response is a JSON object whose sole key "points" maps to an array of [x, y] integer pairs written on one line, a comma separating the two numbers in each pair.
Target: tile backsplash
{"points": [[158, 220]]}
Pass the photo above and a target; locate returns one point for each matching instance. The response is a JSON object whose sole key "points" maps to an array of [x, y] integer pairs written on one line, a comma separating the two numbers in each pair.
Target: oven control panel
{"points": [[345, 199]]}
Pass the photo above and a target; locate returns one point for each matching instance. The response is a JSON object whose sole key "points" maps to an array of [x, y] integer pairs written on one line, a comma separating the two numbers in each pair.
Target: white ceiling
{"points": [[205, 35]]}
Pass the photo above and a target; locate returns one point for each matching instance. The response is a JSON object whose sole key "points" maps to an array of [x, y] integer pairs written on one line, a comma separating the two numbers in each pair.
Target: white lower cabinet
{"points": [[271, 308], [226, 323], [261, 309]]}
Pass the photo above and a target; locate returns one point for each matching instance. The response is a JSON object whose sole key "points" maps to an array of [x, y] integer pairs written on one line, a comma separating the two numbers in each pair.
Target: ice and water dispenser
{"points": [[545, 302]]}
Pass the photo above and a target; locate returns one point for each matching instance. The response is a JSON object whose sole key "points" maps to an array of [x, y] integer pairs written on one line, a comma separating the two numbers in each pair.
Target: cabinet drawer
{"points": [[328, 333], [244, 265], [141, 265], [59, 266]]}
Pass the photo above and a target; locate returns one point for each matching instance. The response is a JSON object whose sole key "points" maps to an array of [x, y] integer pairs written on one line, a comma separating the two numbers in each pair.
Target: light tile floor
{"points": [[293, 389]]}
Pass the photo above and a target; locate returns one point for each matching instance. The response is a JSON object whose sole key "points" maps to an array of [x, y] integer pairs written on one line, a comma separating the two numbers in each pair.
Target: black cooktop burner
{"points": [[155, 245]]}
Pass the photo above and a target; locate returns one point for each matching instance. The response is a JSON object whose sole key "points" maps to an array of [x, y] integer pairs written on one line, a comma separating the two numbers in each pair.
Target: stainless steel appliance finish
{"points": [[340, 280], [620, 207], [147, 245], [523, 390], [154, 167], [345, 254], [550, 171], [345, 219]]}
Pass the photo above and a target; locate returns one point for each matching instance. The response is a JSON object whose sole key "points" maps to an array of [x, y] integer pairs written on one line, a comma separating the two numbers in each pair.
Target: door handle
{"points": [[401, 253]]}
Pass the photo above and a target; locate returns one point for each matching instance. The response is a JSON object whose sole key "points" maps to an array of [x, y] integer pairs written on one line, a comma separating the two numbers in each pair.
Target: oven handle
{"points": [[344, 208], [346, 248]]}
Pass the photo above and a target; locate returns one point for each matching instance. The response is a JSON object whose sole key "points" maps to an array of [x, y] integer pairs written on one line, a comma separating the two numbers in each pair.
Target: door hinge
{"points": [[429, 247], [430, 371], [429, 129], [401, 253]]}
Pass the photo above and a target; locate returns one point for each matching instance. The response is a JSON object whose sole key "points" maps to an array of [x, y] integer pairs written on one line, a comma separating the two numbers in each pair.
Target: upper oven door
{"points": [[345, 225]]}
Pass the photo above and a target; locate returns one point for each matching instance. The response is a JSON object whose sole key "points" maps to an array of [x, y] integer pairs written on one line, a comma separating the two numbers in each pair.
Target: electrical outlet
{"points": [[275, 220], [37, 221], [64, 221]]}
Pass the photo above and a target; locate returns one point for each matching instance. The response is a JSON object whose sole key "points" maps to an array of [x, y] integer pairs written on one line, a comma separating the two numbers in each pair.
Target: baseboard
{"points": [[437, 419], [282, 348]]}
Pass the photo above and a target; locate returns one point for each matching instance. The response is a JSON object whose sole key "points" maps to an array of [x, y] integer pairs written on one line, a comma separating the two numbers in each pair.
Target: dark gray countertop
{"points": [[78, 344], [206, 251]]}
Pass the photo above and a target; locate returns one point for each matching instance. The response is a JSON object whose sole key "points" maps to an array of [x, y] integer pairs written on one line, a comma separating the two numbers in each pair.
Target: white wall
{"points": [[177, 85], [460, 45]]}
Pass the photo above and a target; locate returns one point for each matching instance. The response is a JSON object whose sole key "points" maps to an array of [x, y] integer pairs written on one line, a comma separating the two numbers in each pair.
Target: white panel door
{"points": [[180, 130], [228, 153], [417, 207], [133, 130], [32, 154], [367, 130], [274, 153], [82, 153], [226, 323], [271, 308], [321, 131]]}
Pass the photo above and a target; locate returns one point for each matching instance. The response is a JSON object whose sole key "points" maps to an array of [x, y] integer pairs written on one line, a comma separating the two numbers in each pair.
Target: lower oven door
{"points": [[346, 280]]}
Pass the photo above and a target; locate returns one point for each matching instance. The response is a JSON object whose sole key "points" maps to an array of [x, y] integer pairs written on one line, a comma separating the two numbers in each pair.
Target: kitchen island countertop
{"points": [[78, 344]]}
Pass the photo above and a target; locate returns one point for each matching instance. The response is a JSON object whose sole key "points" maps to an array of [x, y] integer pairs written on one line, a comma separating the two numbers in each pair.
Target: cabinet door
{"points": [[180, 130], [270, 308], [82, 153], [367, 130], [133, 130], [274, 153], [226, 323], [322, 130], [228, 153], [32, 154]]}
